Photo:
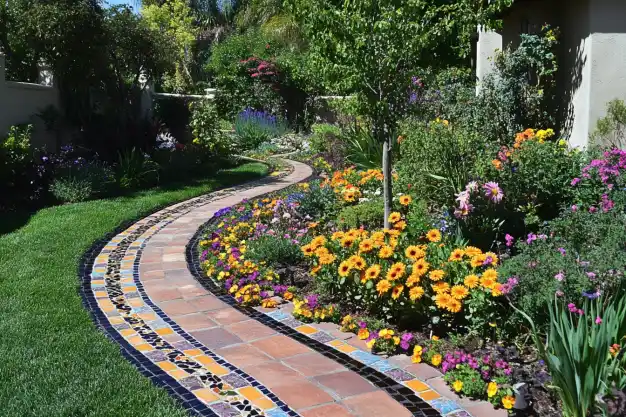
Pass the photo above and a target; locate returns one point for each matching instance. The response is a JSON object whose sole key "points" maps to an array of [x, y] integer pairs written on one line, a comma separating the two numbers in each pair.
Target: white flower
{"points": [[275, 220], [361, 200], [378, 192], [286, 216]]}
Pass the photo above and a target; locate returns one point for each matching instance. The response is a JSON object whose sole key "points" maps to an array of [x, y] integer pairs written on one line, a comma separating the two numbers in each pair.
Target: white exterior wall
{"points": [[489, 43], [19, 102]]}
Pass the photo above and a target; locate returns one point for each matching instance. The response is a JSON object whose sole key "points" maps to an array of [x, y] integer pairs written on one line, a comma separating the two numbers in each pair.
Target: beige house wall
{"points": [[19, 102]]}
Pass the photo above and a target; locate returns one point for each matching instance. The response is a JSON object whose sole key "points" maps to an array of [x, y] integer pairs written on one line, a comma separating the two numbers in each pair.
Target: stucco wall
{"points": [[19, 102]]}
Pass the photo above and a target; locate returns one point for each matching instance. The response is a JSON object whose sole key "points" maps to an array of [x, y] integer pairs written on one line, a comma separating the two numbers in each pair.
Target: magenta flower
{"points": [[562, 250], [598, 320], [493, 191], [560, 276], [509, 239], [575, 181]]}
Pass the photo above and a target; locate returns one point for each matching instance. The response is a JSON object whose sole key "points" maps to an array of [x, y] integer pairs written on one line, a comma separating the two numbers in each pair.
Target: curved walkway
{"points": [[220, 359]]}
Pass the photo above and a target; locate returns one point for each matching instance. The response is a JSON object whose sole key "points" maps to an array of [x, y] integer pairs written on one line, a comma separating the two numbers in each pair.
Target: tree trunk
{"points": [[387, 191]]}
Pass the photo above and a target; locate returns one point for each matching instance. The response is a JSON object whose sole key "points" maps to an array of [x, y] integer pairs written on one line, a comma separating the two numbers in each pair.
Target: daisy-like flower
{"points": [[383, 286], [399, 267], [327, 259], [397, 291], [344, 268], [420, 267], [372, 272], [347, 241], [442, 300], [472, 251], [337, 235], [436, 274], [385, 252], [477, 261], [405, 200], [414, 252], [392, 275], [318, 241], [394, 217], [308, 250], [456, 255], [433, 235], [401, 225], [413, 280], [366, 245], [459, 292], [319, 252], [416, 293], [441, 287], [493, 191], [357, 262], [454, 306]]}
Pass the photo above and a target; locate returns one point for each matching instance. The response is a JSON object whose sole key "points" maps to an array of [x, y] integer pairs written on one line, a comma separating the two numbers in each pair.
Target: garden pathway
{"points": [[220, 359]]}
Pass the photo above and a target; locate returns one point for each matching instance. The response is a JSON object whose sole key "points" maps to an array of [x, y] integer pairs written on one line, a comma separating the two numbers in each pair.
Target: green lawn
{"points": [[53, 361]]}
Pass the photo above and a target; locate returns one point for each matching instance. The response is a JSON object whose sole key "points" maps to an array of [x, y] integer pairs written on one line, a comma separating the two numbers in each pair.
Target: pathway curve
{"points": [[220, 359]]}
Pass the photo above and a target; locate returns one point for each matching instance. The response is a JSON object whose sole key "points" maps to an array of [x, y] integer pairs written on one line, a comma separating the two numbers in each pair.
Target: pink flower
{"points": [[574, 207], [509, 239], [598, 320], [575, 181], [493, 191], [560, 276]]}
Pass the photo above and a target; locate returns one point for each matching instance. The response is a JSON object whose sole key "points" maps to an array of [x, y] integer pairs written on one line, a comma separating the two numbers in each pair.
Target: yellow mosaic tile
{"points": [[164, 331], [116, 320], [130, 289], [166, 366], [178, 374], [127, 332], [216, 369], [251, 393], [417, 386], [135, 302], [101, 294], [144, 347], [147, 316], [135, 340], [205, 395], [336, 343], [97, 281], [346, 348], [192, 352], [306, 329], [263, 403], [204, 359], [428, 395]]}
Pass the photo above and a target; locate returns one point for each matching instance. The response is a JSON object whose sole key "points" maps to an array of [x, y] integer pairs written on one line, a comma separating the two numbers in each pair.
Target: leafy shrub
{"points": [[364, 150], [71, 189], [134, 169], [322, 135], [611, 129], [256, 127], [580, 254], [19, 180], [205, 127], [370, 214], [437, 160], [318, 201], [601, 182], [275, 250]]}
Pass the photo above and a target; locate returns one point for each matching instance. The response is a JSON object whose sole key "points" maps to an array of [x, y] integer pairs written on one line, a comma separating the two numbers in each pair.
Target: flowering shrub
{"points": [[255, 127], [389, 274], [600, 181], [309, 309], [352, 186]]}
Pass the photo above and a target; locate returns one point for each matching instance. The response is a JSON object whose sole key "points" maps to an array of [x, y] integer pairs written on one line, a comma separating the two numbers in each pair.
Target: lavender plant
{"points": [[254, 127]]}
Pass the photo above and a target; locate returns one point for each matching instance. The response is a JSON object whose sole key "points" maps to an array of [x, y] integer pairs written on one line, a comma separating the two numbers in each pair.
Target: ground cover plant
{"points": [[48, 336]]}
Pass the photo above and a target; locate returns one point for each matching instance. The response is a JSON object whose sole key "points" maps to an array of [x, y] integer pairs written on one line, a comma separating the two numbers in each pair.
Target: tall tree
{"points": [[379, 44]]}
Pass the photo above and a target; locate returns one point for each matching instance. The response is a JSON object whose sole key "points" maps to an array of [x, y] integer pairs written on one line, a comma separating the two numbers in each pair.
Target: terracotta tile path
{"points": [[309, 383]]}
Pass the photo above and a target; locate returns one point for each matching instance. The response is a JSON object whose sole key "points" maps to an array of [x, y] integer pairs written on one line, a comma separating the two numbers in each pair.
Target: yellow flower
{"points": [[308, 250], [288, 295], [366, 245], [508, 402], [405, 200], [357, 262], [327, 259], [383, 286], [386, 334], [436, 360], [385, 252], [454, 306], [393, 275], [490, 276], [493, 257], [344, 268], [441, 287], [413, 280], [433, 235], [268, 303], [472, 251], [456, 255], [370, 344], [318, 241], [401, 225], [436, 274], [459, 292], [496, 290], [477, 261], [416, 293], [420, 267], [471, 281], [442, 300], [319, 252], [492, 389], [397, 291], [414, 252], [363, 334], [337, 235], [394, 217], [458, 385], [372, 272], [347, 241]]}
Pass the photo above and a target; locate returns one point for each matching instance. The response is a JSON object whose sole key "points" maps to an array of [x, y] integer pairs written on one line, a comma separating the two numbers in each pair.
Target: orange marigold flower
{"points": [[416, 293], [442, 300], [383, 286], [394, 217], [363, 334], [397, 291], [288, 295], [366, 245], [414, 252], [385, 252], [454, 306], [456, 255], [508, 402], [344, 268], [420, 267], [436, 274], [433, 235], [405, 200], [459, 292], [372, 272]]}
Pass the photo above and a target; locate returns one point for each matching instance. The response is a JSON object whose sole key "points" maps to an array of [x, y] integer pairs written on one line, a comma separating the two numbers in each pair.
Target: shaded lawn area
{"points": [[53, 360]]}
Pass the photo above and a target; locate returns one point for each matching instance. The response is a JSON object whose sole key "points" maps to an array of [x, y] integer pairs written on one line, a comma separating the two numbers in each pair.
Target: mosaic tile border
{"points": [[418, 397], [204, 383]]}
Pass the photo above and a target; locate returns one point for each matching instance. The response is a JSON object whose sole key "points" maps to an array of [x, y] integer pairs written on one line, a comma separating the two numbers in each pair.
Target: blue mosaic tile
{"points": [[382, 366], [278, 315], [157, 324], [365, 357], [444, 406], [459, 413], [276, 412]]}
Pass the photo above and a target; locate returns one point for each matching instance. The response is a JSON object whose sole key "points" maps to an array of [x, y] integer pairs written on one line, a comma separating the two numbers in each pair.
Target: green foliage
{"points": [[134, 169], [75, 183], [322, 135], [576, 352], [318, 201], [18, 179], [71, 189], [578, 252], [364, 151], [274, 250], [256, 127], [206, 131], [611, 129], [437, 160], [175, 19], [369, 214]]}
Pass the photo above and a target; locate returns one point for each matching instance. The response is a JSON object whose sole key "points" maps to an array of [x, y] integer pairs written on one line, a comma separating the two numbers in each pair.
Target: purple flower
{"points": [[509, 239], [591, 295], [362, 325], [560, 276], [531, 238], [591, 275], [493, 191], [562, 250]]}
